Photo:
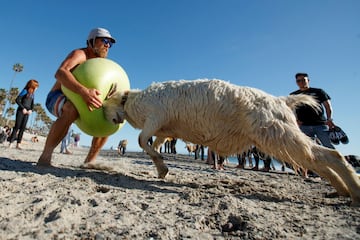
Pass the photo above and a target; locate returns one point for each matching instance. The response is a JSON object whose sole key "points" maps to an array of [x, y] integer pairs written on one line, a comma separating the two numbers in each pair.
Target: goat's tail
{"points": [[294, 101]]}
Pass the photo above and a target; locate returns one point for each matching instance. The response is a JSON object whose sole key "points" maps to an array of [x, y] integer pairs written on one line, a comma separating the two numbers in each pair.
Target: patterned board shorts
{"points": [[55, 101]]}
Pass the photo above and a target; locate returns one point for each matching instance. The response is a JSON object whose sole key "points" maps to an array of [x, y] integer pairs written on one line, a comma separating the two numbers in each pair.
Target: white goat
{"points": [[228, 119]]}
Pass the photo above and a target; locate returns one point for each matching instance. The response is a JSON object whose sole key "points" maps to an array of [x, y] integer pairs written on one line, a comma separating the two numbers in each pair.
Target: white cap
{"points": [[100, 32]]}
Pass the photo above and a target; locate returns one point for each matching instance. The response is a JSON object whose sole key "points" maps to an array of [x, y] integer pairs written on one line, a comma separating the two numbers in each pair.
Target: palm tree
{"points": [[38, 109], [47, 120], [10, 111], [2, 98], [42, 121], [17, 68], [14, 92]]}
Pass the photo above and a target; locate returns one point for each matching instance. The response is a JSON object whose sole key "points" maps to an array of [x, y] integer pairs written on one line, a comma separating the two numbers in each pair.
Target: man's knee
{"points": [[69, 111]]}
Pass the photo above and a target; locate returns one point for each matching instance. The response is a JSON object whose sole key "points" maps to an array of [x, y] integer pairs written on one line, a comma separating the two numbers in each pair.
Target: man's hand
{"points": [[330, 123], [91, 98]]}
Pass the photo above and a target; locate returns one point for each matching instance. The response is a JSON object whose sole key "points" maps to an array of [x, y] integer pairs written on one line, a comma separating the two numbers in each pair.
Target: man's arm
{"points": [[329, 111], [66, 78]]}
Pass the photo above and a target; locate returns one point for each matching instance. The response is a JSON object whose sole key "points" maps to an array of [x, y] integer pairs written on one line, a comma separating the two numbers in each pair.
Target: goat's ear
{"points": [[124, 97], [112, 91]]}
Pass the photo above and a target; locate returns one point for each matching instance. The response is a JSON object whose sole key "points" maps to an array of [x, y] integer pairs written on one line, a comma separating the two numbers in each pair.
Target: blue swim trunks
{"points": [[55, 101]]}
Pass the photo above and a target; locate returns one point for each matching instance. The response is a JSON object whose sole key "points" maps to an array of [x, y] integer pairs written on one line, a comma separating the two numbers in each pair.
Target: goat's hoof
{"points": [[355, 203], [162, 173], [332, 195]]}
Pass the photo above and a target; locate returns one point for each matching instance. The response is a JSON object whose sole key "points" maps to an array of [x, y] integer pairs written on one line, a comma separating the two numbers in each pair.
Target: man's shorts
{"points": [[55, 101]]}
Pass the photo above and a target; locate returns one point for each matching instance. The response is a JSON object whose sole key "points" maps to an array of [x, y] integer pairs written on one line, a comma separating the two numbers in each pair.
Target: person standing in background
{"points": [[65, 142], [313, 122], [25, 102]]}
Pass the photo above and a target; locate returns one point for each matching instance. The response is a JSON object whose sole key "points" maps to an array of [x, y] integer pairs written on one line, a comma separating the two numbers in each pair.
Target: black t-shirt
{"points": [[306, 114]]}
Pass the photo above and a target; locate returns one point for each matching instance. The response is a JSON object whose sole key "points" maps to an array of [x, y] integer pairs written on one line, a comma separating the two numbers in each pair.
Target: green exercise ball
{"points": [[102, 74]]}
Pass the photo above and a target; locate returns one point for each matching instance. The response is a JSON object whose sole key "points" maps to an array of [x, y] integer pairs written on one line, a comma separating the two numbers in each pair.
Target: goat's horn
{"points": [[112, 90]]}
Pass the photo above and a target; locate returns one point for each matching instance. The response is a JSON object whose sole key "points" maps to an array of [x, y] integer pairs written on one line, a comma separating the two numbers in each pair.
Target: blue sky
{"points": [[254, 43]]}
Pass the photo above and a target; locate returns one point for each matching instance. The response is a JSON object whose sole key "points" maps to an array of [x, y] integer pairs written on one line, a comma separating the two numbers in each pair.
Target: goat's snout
{"points": [[118, 118]]}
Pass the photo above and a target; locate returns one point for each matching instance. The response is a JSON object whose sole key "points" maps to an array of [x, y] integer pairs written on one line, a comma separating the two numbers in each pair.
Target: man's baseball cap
{"points": [[100, 32]]}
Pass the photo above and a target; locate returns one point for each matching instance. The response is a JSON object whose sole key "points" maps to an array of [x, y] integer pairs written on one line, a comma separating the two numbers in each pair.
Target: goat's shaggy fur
{"points": [[228, 119]]}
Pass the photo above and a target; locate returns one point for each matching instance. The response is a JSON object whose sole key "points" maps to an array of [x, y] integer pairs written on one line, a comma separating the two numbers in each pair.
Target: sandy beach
{"points": [[192, 202]]}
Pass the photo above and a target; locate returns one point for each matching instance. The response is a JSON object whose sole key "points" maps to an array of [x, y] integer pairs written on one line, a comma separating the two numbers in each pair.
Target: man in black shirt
{"points": [[312, 122]]}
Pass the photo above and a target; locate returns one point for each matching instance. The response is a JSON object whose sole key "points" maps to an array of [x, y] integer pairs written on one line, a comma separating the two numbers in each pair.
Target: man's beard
{"points": [[100, 52]]}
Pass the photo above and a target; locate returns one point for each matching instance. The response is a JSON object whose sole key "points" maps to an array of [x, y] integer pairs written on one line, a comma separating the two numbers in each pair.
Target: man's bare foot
{"points": [[43, 164], [44, 161]]}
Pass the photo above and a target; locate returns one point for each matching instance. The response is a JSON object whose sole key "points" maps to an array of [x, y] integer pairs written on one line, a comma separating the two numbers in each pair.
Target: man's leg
{"points": [[62, 147], [255, 154], [322, 132], [267, 164], [257, 159], [96, 145], [308, 130], [57, 132]]}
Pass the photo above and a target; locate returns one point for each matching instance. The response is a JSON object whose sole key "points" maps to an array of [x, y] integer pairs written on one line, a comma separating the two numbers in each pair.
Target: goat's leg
{"points": [[332, 177], [338, 164], [155, 156], [317, 162], [321, 167]]}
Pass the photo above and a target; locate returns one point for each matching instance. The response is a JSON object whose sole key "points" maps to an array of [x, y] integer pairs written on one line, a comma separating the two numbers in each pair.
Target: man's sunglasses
{"points": [[107, 41]]}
